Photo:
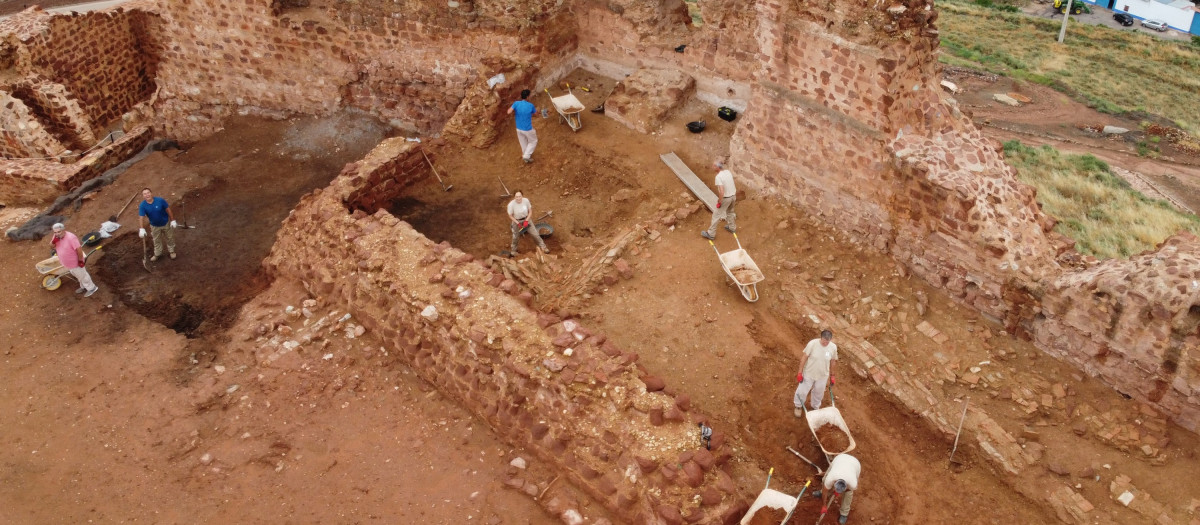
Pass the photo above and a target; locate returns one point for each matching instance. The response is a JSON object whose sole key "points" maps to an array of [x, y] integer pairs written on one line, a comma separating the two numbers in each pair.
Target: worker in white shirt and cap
{"points": [[842, 478]]}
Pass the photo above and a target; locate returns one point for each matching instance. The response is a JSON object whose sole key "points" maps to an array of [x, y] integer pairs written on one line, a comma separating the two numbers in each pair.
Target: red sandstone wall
{"points": [[632, 447], [1135, 323], [26, 181], [74, 75], [406, 63]]}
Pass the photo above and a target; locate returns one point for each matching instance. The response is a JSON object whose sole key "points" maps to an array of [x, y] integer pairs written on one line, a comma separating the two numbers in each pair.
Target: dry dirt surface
{"points": [[150, 391]]}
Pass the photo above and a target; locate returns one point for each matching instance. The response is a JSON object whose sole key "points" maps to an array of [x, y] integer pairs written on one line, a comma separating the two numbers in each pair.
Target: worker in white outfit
{"points": [[816, 367], [726, 200], [842, 478]]}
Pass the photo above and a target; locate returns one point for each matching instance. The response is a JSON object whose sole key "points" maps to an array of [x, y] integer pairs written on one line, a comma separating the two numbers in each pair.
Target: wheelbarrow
{"points": [[53, 271], [741, 268], [568, 107], [828, 416], [774, 499]]}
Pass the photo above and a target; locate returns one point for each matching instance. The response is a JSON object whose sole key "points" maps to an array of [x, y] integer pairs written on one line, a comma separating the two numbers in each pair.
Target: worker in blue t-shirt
{"points": [[162, 222], [525, 110]]}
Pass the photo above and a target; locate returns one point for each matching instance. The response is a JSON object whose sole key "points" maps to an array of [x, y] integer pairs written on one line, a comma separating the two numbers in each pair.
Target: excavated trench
{"points": [[256, 171]]}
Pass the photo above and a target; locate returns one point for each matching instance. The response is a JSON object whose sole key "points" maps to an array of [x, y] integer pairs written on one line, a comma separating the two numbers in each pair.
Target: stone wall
{"points": [[27, 181], [410, 63], [1134, 323], [539, 381], [97, 57]]}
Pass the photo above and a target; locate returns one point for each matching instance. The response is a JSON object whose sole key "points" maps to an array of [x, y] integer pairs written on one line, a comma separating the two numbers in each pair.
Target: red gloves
{"points": [[718, 203], [831, 381], [799, 377]]}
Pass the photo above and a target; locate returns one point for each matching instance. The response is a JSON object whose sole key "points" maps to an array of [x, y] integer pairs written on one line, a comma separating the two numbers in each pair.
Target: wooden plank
{"points": [[689, 179]]}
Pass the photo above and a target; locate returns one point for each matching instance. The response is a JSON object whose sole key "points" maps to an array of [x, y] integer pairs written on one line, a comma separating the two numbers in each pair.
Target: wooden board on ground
{"points": [[689, 179]]}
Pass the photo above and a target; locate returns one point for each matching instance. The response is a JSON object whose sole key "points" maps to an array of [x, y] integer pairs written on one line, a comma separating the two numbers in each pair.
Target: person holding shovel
{"points": [[842, 479], [816, 366], [526, 135], [520, 213], [70, 254], [162, 222], [726, 199]]}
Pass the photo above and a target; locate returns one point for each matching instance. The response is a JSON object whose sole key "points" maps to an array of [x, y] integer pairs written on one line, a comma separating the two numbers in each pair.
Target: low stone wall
{"points": [[39, 181], [1134, 323], [539, 381]]}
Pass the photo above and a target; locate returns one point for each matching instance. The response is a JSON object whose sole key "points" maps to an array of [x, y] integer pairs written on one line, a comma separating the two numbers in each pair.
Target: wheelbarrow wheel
{"points": [[749, 291], [51, 282]]}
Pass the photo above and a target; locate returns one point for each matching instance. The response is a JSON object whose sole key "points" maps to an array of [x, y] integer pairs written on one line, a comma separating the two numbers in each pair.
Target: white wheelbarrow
{"points": [[741, 268], [829, 416], [568, 107], [774, 499]]}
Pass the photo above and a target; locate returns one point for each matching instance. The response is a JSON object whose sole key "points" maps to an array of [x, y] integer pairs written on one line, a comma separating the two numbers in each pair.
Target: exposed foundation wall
{"points": [[39, 181], [540, 382], [97, 57], [407, 64], [1135, 323]]}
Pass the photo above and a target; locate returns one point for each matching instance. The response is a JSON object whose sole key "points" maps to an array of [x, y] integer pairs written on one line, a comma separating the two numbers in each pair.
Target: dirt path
{"points": [[1053, 118]]}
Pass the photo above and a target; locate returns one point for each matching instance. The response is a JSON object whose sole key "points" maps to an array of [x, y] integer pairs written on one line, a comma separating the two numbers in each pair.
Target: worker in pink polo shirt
{"points": [[70, 254]]}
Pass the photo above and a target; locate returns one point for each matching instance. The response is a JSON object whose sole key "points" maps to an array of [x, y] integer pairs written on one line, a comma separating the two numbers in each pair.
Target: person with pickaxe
{"points": [[842, 479], [520, 215]]}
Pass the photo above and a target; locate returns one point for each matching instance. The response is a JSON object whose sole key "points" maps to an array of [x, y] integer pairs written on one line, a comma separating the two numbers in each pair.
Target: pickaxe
{"points": [[544, 215], [507, 193], [814, 465]]}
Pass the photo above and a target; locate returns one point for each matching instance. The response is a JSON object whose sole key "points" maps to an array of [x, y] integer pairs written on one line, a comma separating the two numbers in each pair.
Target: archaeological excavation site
{"points": [[340, 330]]}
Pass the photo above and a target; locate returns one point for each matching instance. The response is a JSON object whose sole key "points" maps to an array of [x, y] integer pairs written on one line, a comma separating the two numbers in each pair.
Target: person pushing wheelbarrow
{"points": [[521, 222]]}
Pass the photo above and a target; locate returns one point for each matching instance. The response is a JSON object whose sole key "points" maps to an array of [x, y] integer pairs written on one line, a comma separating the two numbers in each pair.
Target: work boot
{"points": [[798, 412], [81, 290], [707, 235], [842, 519], [730, 230], [527, 160], [172, 255], [545, 249], [153, 258], [90, 292], [512, 254]]}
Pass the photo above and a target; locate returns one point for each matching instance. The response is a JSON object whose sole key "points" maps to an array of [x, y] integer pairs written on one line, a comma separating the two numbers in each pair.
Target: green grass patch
{"points": [[1114, 71], [1106, 217]]}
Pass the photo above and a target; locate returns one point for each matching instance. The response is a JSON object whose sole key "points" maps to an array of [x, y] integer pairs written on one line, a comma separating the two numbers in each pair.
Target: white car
{"points": [[1156, 25]]}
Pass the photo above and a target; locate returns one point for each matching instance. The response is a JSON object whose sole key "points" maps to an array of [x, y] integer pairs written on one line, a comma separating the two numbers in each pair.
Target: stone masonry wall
{"points": [[21, 134], [1135, 323], [413, 70], [27, 181], [539, 381], [67, 78]]}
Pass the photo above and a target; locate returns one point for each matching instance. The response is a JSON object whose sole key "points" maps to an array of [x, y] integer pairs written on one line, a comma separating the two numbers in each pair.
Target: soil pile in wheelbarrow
{"points": [[768, 516], [832, 438], [744, 274]]}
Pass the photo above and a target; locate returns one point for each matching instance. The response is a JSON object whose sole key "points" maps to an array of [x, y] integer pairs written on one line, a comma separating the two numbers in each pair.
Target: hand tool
{"points": [[798, 497], [435, 173], [145, 260], [507, 193], [820, 471], [127, 203], [966, 402], [825, 507]]}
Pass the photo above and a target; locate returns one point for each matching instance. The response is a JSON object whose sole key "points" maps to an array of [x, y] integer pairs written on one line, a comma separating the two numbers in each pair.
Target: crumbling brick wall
{"points": [[1134, 323], [410, 63], [539, 381], [73, 76], [35, 181]]}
